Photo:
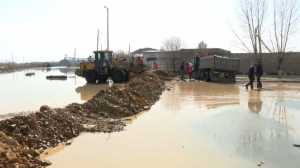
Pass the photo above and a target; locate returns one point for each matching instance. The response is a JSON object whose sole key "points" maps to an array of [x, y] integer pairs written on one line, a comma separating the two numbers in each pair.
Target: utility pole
{"points": [[98, 39], [129, 49], [107, 28], [74, 56]]}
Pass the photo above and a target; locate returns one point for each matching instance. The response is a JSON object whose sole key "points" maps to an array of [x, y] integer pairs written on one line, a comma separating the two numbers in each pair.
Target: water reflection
{"points": [[67, 70], [56, 79], [271, 129], [208, 95], [175, 103], [46, 69], [63, 70], [88, 91], [254, 102], [279, 112]]}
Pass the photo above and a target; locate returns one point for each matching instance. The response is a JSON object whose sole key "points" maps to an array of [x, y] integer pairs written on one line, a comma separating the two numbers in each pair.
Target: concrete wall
{"points": [[290, 65]]}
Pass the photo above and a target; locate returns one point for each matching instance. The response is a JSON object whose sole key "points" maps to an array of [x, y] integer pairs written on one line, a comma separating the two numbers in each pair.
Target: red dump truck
{"points": [[217, 69]]}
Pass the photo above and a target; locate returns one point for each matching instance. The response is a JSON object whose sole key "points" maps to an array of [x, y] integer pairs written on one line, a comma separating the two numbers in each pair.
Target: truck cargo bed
{"points": [[219, 63]]}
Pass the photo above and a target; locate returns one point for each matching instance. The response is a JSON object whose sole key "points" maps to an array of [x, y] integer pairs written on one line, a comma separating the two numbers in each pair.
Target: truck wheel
{"points": [[197, 75], [91, 76], [206, 76], [201, 77], [118, 75]]}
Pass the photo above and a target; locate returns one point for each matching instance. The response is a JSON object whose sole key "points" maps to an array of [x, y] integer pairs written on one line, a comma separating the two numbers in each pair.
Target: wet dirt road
{"points": [[199, 125], [21, 93]]}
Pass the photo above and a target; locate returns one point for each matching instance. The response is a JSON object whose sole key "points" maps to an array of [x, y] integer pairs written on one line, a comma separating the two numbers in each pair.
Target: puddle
{"points": [[199, 125], [21, 93]]}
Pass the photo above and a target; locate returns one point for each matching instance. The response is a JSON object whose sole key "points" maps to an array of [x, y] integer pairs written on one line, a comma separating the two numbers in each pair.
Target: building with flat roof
{"points": [[163, 62]]}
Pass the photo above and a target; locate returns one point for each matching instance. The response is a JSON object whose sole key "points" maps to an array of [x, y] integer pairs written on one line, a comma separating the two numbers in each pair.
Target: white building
{"points": [[160, 58], [202, 45], [153, 56]]}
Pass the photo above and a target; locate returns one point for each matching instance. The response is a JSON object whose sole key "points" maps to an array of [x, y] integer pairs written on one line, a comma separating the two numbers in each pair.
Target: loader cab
{"points": [[102, 61]]}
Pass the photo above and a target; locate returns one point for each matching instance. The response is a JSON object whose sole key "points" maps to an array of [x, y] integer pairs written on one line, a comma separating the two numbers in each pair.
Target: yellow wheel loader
{"points": [[105, 65]]}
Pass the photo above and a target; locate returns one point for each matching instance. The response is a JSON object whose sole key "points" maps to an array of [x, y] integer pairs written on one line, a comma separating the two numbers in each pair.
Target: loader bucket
{"points": [[139, 68]]}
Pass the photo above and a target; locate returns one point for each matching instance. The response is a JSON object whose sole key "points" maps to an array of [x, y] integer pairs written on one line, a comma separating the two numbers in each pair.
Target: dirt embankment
{"points": [[103, 113], [164, 75]]}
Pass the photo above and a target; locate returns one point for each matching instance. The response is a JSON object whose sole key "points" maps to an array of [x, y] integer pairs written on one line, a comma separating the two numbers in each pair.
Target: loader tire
{"points": [[127, 75], [111, 71], [91, 76], [118, 75]]}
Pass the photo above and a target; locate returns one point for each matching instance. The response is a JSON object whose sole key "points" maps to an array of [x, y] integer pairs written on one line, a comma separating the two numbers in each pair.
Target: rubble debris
{"points": [[46, 163], [29, 74], [56, 77], [68, 143], [110, 82], [12, 142], [15, 155], [44, 108], [132, 75], [33, 133], [260, 163], [168, 87]]}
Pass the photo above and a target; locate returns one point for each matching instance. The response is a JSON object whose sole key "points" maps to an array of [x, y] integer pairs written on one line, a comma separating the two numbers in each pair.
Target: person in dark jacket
{"points": [[259, 73], [182, 71], [251, 76]]}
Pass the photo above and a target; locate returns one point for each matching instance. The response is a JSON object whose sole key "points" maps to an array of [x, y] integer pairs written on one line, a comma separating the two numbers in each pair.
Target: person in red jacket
{"points": [[207, 54], [139, 60], [155, 66], [189, 70]]}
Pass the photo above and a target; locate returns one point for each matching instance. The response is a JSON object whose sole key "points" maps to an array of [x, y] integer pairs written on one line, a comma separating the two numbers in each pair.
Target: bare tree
{"points": [[252, 15], [120, 54], [284, 25], [285, 21], [171, 48]]}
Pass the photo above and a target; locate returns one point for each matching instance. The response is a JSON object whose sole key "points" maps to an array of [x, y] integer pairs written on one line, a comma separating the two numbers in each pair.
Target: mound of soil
{"points": [[103, 113], [164, 75]]}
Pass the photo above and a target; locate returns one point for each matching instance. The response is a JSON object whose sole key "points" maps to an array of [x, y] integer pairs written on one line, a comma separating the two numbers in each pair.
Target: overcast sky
{"points": [[46, 30]]}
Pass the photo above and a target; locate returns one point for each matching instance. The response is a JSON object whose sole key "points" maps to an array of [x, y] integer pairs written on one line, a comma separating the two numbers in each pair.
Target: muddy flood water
{"points": [[195, 124], [21, 93]]}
